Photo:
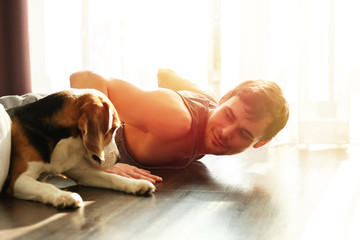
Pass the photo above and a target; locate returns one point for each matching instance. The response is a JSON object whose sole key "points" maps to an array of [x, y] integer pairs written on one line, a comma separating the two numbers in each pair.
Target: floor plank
{"points": [[277, 193]]}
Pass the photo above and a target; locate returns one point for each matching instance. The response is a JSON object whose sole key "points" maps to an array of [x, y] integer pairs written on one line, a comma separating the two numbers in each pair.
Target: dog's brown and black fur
{"points": [[66, 132]]}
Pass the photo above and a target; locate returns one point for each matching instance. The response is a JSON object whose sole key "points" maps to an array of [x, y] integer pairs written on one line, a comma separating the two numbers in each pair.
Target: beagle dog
{"points": [[69, 132]]}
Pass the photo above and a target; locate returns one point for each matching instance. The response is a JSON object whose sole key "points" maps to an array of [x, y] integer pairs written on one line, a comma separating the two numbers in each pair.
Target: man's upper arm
{"points": [[160, 112]]}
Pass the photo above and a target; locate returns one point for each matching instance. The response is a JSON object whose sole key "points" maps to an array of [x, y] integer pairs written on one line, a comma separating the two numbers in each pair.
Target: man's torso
{"points": [[149, 150]]}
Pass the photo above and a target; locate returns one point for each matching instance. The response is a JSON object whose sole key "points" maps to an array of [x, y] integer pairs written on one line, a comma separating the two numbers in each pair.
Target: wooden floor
{"points": [[277, 193]]}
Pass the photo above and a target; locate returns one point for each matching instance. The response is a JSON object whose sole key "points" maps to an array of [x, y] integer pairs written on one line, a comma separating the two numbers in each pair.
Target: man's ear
{"points": [[222, 100], [261, 143]]}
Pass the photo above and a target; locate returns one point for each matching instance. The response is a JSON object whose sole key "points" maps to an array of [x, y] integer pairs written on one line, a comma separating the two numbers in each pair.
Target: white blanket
{"points": [[5, 144], [7, 102]]}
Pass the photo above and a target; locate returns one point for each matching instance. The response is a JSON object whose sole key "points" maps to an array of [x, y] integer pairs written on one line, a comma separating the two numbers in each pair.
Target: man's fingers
{"points": [[141, 170], [126, 170], [147, 176]]}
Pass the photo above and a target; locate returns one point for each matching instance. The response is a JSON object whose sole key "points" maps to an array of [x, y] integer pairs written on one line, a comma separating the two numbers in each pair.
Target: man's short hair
{"points": [[265, 98]]}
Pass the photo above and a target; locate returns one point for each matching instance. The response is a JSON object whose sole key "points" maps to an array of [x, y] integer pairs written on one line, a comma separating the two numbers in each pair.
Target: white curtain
{"points": [[309, 47]]}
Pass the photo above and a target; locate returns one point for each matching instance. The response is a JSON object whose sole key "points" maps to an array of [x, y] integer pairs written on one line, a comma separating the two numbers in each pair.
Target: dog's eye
{"points": [[96, 158], [112, 130]]}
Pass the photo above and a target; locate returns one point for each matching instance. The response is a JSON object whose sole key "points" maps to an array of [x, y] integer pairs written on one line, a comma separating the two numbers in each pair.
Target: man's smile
{"points": [[217, 141]]}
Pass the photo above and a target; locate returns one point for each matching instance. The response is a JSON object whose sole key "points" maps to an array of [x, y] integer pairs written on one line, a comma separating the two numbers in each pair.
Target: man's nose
{"points": [[228, 131]]}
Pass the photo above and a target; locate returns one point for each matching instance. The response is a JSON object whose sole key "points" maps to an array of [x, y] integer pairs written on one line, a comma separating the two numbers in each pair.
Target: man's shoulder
{"points": [[203, 98]]}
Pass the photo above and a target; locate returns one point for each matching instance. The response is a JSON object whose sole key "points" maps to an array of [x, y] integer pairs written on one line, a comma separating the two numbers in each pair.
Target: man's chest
{"points": [[151, 151]]}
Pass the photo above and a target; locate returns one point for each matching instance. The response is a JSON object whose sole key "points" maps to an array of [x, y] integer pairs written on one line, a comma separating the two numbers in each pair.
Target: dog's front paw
{"points": [[68, 200], [140, 187]]}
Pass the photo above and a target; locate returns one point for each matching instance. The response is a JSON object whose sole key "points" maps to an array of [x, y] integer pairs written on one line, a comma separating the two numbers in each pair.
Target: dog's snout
{"points": [[118, 159]]}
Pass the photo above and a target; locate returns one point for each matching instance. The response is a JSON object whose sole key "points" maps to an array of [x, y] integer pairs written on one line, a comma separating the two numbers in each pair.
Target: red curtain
{"points": [[14, 48]]}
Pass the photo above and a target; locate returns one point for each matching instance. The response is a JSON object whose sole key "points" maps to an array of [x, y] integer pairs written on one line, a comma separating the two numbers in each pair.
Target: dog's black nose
{"points": [[118, 158], [96, 158]]}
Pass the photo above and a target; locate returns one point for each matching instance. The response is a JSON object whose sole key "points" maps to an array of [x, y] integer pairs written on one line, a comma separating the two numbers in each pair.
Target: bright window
{"points": [[310, 48]]}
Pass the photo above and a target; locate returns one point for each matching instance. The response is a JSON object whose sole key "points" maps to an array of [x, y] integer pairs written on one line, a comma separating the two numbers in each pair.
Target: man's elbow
{"points": [[77, 79], [88, 79]]}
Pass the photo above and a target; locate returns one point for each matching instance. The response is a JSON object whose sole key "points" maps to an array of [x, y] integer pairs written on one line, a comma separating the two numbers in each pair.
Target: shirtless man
{"points": [[170, 129]]}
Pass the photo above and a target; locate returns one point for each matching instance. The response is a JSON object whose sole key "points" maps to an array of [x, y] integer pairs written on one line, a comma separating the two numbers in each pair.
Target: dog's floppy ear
{"points": [[83, 123], [97, 123], [91, 126]]}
